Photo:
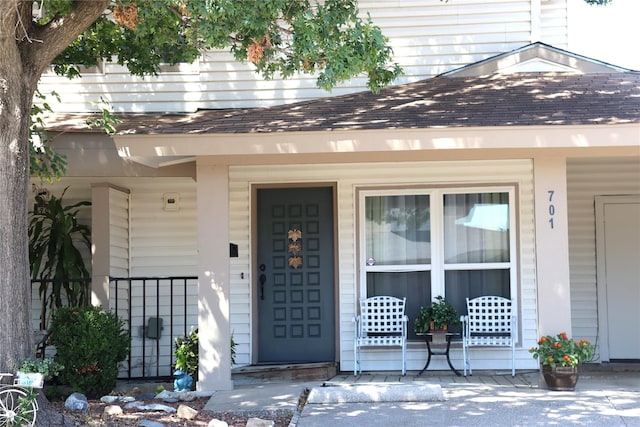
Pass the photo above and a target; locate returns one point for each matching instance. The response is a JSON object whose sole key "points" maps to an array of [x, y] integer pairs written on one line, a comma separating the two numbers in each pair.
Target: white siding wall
{"points": [[163, 243], [348, 178], [587, 178], [428, 37], [554, 24]]}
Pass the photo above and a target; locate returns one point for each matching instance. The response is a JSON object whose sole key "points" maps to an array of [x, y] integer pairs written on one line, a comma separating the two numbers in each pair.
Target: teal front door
{"points": [[295, 283]]}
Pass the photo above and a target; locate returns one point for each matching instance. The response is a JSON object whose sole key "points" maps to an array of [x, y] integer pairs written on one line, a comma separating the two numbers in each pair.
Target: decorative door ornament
{"points": [[295, 247]]}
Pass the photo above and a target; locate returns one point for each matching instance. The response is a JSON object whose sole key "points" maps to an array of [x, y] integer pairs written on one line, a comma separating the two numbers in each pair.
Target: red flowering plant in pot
{"points": [[560, 356]]}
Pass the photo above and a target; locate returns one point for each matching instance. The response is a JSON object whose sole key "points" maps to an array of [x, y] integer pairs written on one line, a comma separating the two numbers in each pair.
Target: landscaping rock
{"points": [[217, 423], [148, 423], [76, 402], [187, 396], [167, 394], [151, 407], [114, 399], [259, 422], [109, 399], [187, 412], [112, 410]]}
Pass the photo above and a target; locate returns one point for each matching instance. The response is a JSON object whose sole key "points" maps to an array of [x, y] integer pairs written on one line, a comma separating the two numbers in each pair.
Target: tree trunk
{"points": [[48, 415], [26, 49], [16, 332]]}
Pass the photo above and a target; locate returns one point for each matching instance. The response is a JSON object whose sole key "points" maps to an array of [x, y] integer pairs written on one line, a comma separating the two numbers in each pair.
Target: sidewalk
{"points": [[603, 397]]}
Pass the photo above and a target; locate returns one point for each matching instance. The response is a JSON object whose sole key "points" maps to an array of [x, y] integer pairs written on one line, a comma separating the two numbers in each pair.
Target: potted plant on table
{"points": [[436, 317], [560, 356]]}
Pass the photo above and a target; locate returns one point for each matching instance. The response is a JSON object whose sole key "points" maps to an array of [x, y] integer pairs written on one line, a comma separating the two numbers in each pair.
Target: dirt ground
{"points": [[95, 415]]}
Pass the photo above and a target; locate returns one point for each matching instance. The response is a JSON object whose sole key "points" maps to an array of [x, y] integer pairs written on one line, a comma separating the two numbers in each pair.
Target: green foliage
{"points": [[24, 413], [45, 163], [562, 351], [90, 343], [47, 367], [440, 312], [329, 39], [106, 121], [421, 323], [54, 257], [233, 350], [187, 354]]}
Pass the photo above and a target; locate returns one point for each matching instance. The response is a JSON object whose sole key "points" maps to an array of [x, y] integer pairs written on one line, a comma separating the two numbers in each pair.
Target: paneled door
{"points": [[619, 275], [295, 281]]}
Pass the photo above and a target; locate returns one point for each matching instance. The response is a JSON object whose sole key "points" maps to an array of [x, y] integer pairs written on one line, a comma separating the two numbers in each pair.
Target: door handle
{"points": [[263, 278]]}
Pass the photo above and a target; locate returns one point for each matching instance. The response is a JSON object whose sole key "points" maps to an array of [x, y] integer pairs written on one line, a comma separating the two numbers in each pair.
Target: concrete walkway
{"points": [[604, 396]]}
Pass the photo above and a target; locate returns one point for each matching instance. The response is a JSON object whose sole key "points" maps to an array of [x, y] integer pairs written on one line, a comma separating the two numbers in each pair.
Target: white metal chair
{"points": [[381, 323], [490, 322]]}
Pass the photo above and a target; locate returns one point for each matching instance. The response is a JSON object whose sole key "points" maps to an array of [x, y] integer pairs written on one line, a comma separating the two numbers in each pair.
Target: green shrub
{"points": [[90, 343], [187, 354]]}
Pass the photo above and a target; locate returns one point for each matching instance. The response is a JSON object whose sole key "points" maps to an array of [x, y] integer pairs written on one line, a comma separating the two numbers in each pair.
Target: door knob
{"points": [[263, 278]]}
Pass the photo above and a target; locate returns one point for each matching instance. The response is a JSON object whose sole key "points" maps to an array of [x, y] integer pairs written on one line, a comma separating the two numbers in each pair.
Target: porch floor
{"points": [[327, 373]]}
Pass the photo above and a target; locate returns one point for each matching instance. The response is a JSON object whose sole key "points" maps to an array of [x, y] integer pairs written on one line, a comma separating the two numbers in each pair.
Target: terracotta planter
{"points": [[560, 378], [432, 328]]}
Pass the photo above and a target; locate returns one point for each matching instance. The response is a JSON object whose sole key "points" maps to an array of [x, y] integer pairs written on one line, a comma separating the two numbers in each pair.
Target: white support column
{"points": [[102, 210], [213, 278], [552, 245], [100, 242]]}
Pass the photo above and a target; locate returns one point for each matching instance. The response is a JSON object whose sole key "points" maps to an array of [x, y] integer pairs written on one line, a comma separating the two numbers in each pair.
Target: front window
{"points": [[476, 246], [397, 229], [398, 248], [420, 244]]}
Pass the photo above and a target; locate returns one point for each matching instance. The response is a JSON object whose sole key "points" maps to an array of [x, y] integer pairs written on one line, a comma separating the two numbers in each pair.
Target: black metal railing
{"points": [[149, 306], [156, 311]]}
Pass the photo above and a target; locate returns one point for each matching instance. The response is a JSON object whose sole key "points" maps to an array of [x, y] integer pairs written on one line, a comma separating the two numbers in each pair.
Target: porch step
{"points": [[284, 372]]}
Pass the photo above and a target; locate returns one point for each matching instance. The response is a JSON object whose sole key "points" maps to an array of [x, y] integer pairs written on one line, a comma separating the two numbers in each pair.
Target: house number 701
{"points": [[552, 208]]}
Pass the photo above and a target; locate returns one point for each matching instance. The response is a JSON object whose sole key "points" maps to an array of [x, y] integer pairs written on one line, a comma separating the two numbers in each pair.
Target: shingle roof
{"points": [[519, 99]]}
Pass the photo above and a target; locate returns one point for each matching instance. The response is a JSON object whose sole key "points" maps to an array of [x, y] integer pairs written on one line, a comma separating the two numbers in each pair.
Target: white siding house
{"points": [[535, 129], [428, 38]]}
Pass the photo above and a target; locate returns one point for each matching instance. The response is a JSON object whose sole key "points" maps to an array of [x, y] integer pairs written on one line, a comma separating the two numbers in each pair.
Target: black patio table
{"points": [[438, 344]]}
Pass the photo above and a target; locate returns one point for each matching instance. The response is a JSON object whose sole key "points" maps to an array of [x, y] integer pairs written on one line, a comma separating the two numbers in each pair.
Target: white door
{"points": [[618, 233]]}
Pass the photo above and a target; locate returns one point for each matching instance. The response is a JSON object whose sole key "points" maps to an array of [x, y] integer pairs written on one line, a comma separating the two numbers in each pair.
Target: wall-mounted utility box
{"points": [[233, 250], [154, 328]]}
